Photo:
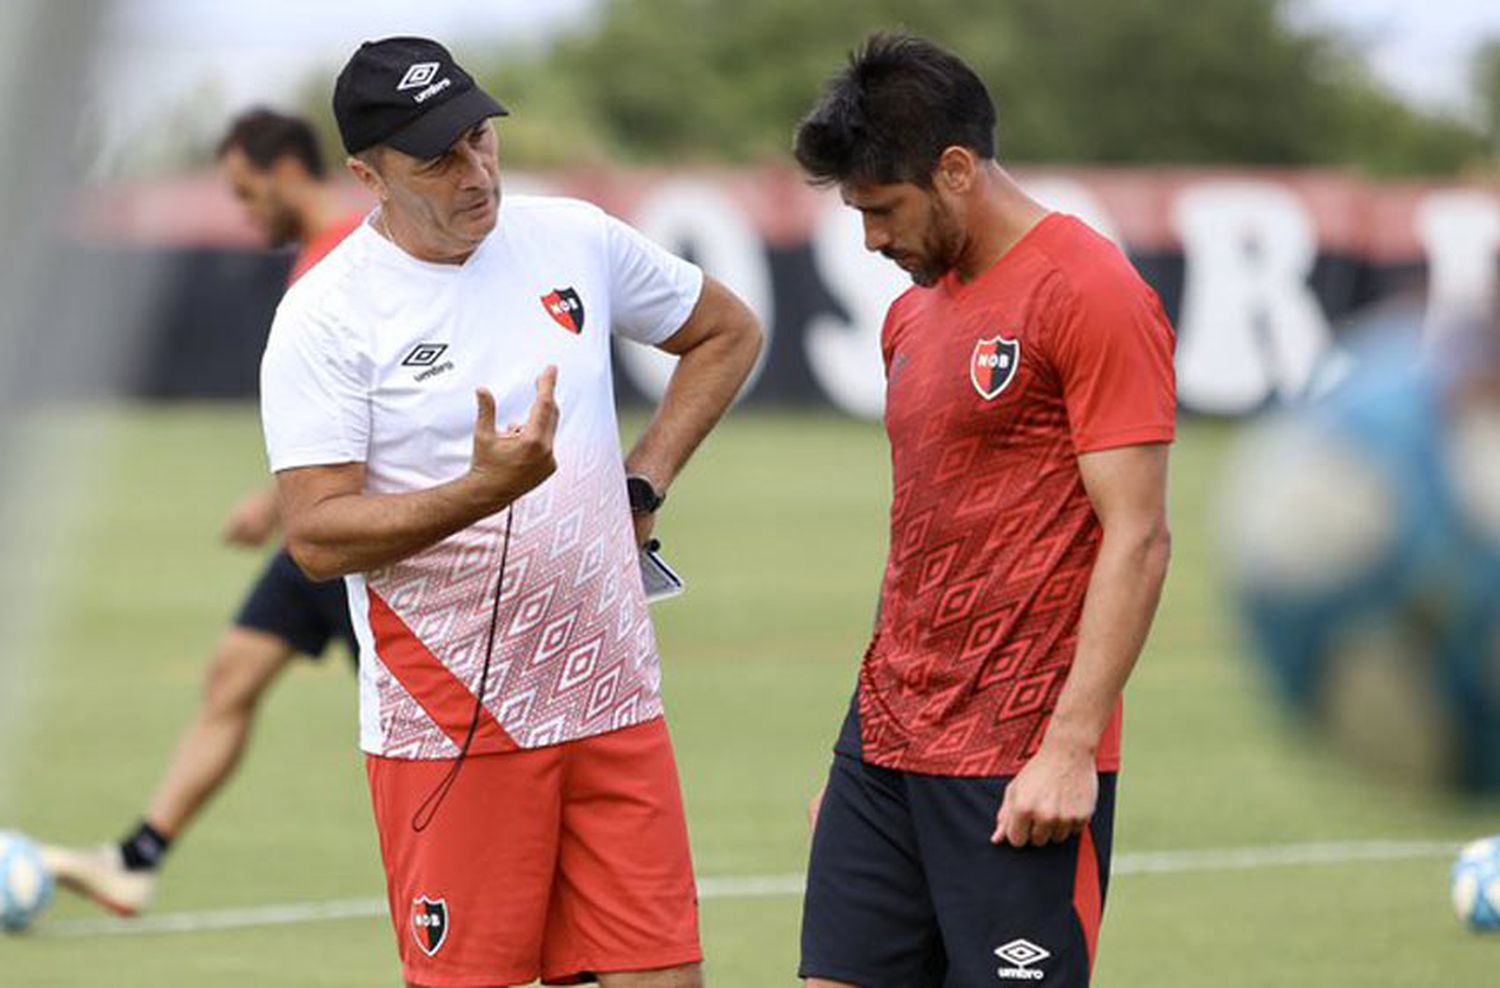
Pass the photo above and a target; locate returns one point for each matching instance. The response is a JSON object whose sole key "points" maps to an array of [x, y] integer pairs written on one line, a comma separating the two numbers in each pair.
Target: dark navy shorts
{"points": [[905, 890], [306, 614]]}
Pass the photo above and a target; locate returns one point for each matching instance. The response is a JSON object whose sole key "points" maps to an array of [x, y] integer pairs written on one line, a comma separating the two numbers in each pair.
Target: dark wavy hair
{"points": [[265, 136], [890, 114]]}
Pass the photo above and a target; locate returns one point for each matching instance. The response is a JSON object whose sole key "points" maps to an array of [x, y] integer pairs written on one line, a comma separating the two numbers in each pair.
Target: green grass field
{"points": [[779, 529]]}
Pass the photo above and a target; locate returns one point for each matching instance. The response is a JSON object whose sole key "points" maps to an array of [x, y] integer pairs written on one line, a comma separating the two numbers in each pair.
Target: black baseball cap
{"points": [[408, 93]]}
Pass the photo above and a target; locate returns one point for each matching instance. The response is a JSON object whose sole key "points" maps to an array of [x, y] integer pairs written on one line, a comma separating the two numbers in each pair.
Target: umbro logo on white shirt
{"points": [[426, 355]]}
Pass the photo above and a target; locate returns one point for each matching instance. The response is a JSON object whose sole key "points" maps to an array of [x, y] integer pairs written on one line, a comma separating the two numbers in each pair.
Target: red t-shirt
{"points": [[993, 390], [318, 247]]}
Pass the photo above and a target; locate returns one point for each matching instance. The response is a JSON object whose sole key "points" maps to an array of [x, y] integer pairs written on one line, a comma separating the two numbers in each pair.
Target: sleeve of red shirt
{"points": [[1112, 348]]}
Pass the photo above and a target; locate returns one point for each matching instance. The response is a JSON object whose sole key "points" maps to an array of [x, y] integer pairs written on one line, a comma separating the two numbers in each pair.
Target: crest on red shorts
{"points": [[429, 923], [565, 308], [993, 365]]}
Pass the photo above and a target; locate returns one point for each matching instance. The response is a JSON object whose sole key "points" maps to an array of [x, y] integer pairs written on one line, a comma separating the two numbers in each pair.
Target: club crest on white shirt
{"points": [[566, 308]]}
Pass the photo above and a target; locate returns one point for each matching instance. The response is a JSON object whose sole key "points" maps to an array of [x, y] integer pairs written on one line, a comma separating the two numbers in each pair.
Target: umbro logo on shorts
{"points": [[1020, 954], [429, 923]]}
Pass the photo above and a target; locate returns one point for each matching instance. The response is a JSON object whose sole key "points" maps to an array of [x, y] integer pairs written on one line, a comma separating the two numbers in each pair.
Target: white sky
{"points": [[159, 53], [165, 51], [1423, 48]]}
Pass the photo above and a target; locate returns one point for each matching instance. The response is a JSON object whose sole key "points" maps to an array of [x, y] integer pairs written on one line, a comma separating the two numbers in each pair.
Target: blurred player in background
{"points": [[524, 786], [1363, 534], [272, 164], [964, 832]]}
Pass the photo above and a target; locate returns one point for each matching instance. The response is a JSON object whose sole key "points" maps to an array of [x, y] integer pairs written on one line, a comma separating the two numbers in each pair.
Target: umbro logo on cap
{"points": [[409, 94], [419, 74]]}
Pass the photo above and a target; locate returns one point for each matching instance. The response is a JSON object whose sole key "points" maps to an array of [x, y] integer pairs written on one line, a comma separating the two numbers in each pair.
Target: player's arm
{"points": [[253, 518], [333, 528], [1053, 797], [717, 347]]}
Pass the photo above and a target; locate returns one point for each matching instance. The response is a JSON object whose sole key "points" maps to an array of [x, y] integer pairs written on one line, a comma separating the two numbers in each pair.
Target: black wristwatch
{"points": [[644, 500]]}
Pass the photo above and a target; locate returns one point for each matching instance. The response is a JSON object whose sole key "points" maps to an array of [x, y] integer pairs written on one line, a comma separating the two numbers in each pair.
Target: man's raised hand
{"points": [[510, 463]]}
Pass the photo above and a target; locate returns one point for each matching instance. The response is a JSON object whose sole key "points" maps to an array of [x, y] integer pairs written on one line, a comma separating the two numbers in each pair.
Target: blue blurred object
{"points": [[1367, 558], [26, 886], [1476, 885]]}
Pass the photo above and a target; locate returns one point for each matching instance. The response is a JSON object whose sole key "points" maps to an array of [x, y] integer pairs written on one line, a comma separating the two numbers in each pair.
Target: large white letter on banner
{"points": [[1066, 195], [844, 353], [1460, 231], [1250, 325], [691, 215]]}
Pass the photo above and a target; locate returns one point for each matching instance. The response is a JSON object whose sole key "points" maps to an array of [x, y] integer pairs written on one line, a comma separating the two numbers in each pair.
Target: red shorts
{"points": [[551, 863]]}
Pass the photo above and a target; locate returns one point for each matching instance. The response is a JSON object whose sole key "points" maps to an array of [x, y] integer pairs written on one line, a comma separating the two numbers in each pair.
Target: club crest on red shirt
{"points": [[993, 365], [565, 308], [429, 924]]}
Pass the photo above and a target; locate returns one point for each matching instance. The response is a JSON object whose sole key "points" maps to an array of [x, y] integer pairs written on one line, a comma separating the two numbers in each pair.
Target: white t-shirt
{"points": [[373, 358]]}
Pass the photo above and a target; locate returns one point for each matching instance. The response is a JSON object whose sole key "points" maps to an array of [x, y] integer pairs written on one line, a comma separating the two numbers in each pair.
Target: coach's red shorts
{"points": [[554, 862]]}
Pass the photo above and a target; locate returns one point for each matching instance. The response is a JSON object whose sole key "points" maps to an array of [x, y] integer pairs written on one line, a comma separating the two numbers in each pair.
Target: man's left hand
{"points": [[1050, 800]]}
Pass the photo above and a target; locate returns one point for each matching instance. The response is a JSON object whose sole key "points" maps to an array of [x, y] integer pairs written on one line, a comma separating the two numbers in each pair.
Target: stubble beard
{"points": [[940, 250], [285, 228]]}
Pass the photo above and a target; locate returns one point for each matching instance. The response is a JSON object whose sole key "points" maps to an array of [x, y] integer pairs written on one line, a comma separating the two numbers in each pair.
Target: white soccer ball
{"points": [[1476, 885], [25, 883]]}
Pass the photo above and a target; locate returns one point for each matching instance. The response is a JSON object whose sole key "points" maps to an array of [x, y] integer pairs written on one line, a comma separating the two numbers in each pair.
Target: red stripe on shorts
{"points": [[1088, 903], [441, 694]]}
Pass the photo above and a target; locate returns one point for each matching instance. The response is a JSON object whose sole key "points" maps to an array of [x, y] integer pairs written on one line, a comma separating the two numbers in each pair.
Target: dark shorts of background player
{"points": [[905, 889], [304, 613]]}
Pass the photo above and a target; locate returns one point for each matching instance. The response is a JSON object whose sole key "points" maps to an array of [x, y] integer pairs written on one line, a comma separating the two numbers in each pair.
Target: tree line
{"points": [[1192, 82], [1086, 81]]}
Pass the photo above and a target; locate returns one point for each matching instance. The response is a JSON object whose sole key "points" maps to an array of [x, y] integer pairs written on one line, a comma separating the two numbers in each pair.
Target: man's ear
{"points": [[368, 177], [957, 171]]}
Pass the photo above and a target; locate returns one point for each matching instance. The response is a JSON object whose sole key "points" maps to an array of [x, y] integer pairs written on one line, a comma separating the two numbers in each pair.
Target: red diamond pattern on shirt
{"points": [[914, 534], [956, 461], [956, 603], [574, 653], [992, 535], [1029, 695], [936, 566]]}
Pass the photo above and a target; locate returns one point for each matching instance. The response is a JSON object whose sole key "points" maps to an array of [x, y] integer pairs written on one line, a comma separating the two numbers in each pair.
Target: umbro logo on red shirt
{"points": [[565, 308]]}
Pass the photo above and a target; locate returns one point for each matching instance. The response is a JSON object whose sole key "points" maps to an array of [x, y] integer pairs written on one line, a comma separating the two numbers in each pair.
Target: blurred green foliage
{"points": [[1487, 86], [1109, 81], [1229, 82]]}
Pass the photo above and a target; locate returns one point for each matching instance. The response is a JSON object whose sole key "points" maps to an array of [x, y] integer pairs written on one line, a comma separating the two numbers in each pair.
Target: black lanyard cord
{"points": [[428, 810]]}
